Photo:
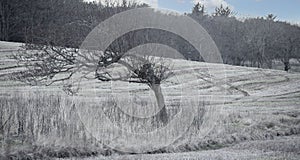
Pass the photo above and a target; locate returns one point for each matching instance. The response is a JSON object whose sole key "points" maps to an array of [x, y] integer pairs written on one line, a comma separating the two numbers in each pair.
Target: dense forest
{"points": [[255, 42]]}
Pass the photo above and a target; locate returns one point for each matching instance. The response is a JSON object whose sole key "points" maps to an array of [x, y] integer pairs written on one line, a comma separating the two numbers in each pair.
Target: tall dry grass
{"points": [[50, 123], [45, 119], [39, 119]]}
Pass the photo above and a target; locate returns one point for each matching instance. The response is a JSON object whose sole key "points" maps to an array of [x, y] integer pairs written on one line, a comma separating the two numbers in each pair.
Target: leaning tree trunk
{"points": [[287, 65], [162, 116]]}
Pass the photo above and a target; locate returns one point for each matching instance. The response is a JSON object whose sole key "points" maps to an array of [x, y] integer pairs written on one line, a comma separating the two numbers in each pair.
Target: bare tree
{"points": [[46, 65], [259, 41], [287, 44], [43, 63], [223, 11], [198, 9], [271, 17], [141, 69]]}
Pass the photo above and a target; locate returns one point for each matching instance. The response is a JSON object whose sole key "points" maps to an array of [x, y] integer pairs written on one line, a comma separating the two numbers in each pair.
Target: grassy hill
{"points": [[250, 108]]}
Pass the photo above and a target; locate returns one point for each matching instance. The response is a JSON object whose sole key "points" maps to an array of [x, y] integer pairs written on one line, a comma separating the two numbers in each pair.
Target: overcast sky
{"points": [[285, 10]]}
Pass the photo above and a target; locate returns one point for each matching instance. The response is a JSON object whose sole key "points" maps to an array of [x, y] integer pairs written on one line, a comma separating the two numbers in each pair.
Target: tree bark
{"points": [[287, 65], [162, 114]]}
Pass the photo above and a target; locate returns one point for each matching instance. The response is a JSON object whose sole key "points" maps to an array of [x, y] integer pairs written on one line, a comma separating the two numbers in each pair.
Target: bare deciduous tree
{"points": [[223, 11], [46, 65], [141, 69]]}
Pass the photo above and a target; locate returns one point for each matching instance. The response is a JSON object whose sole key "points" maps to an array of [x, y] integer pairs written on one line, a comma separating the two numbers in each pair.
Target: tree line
{"points": [[255, 42], [57, 22]]}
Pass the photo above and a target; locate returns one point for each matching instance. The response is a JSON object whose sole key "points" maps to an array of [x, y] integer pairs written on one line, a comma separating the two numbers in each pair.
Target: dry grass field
{"points": [[257, 114]]}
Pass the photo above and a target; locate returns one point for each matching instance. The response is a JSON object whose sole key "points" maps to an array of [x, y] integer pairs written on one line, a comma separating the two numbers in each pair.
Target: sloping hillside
{"points": [[257, 106]]}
